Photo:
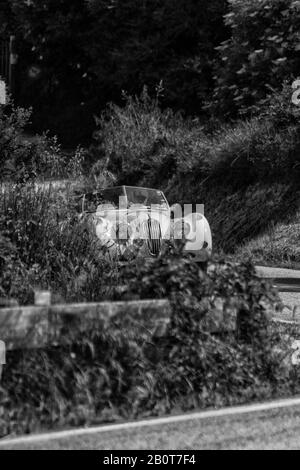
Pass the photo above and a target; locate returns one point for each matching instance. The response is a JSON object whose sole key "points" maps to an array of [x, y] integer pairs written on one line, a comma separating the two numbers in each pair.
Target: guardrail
{"points": [[38, 325], [45, 323], [35, 326]]}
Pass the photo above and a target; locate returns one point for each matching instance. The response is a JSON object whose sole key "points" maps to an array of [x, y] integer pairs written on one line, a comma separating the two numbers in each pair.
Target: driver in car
{"points": [[141, 197]]}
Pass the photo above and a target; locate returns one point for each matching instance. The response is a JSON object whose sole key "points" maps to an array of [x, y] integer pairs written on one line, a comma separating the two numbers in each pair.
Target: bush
{"points": [[23, 159], [105, 373], [128, 137], [142, 144], [13, 154], [194, 294]]}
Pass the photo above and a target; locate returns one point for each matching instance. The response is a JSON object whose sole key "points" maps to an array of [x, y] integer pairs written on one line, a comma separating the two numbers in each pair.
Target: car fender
{"points": [[199, 235]]}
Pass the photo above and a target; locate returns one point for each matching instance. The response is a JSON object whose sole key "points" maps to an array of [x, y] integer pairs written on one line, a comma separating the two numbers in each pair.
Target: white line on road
{"points": [[236, 410]]}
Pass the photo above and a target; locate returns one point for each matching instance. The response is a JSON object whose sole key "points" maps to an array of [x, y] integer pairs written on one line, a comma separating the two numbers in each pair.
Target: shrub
{"points": [[13, 154], [23, 158], [51, 162], [14, 278], [142, 144], [128, 136], [194, 294], [106, 373]]}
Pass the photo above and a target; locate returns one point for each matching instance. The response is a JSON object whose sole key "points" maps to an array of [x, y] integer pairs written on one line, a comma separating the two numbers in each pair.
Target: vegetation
{"points": [[87, 51], [171, 136], [106, 373], [219, 59], [43, 242], [278, 246], [261, 52], [22, 159]]}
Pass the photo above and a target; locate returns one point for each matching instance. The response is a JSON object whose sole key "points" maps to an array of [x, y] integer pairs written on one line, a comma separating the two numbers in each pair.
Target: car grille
{"points": [[151, 231]]}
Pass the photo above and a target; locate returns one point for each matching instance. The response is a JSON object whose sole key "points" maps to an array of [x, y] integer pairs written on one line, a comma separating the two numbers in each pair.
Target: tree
{"points": [[144, 42], [76, 56], [262, 52]]}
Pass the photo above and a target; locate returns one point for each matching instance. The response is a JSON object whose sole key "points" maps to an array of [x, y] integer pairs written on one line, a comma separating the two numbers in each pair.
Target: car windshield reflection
{"points": [[144, 196], [123, 197]]}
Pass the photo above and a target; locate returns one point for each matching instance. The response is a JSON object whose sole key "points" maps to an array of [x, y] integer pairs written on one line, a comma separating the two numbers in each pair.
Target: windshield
{"points": [[104, 197], [122, 197], [144, 196]]}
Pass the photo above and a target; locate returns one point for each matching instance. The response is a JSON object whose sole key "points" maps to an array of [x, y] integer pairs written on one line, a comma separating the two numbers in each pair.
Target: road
{"points": [[274, 425]]}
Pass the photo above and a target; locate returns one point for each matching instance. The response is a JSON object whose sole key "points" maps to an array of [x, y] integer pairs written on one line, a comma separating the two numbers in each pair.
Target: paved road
{"points": [[280, 273], [269, 427]]}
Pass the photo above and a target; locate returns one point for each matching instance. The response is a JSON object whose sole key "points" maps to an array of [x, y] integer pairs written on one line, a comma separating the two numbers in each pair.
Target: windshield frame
{"points": [[123, 192]]}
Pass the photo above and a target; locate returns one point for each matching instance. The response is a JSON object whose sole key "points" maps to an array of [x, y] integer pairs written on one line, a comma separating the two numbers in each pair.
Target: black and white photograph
{"points": [[149, 227]]}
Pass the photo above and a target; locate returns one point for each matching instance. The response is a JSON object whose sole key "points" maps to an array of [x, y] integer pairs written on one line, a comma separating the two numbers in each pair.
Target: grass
{"points": [[273, 429], [278, 247], [44, 245]]}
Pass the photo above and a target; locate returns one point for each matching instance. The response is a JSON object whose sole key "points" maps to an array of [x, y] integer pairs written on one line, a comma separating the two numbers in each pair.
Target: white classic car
{"points": [[131, 221]]}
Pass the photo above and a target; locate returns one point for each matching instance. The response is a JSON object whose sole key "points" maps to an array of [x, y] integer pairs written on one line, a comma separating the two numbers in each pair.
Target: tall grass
{"points": [[24, 158], [278, 246], [45, 241], [138, 139]]}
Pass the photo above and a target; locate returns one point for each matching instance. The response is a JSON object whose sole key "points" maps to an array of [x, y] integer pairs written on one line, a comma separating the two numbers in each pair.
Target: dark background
{"points": [[85, 52]]}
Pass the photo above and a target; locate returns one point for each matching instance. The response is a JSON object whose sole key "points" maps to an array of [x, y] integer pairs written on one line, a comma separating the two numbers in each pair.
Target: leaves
{"points": [[264, 38]]}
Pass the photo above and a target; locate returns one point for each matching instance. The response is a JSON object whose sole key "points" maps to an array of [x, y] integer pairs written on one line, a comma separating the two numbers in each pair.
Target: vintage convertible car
{"points": [[131, 221]]}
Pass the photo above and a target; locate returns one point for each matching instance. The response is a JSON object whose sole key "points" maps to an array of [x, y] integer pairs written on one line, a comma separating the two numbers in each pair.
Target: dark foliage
{"points": [[105, 373], [85, 53], [262, 52]]}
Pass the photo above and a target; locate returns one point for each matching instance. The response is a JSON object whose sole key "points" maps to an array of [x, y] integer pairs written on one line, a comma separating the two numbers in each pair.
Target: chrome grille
{"points": [[151, 231]]}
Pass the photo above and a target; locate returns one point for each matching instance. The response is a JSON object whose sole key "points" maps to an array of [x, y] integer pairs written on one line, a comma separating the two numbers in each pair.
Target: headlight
{"points": [[181, 228]]}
